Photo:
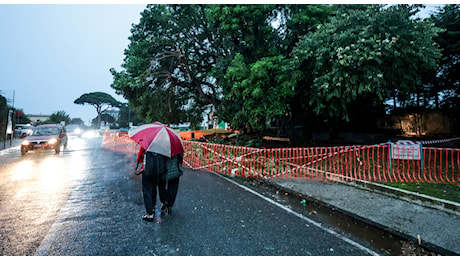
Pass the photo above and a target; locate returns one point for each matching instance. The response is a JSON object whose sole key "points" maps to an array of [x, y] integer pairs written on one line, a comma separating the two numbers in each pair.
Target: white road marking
{"points": [[317, 224]]}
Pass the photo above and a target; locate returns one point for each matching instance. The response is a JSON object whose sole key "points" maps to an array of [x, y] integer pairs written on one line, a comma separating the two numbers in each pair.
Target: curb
{"points": [[381, 189], [6, 145], [15, 144]]}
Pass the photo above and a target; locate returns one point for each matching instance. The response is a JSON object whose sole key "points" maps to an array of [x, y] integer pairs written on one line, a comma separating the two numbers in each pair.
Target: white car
{"points": [[74, 130], [23, 130]]}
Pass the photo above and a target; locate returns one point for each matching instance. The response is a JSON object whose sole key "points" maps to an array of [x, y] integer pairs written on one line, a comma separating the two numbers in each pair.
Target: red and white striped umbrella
{"points": [[157, 138]]}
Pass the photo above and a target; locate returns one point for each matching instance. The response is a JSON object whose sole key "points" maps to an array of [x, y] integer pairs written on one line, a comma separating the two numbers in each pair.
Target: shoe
{"points": [[165, 209], [148, 218]]}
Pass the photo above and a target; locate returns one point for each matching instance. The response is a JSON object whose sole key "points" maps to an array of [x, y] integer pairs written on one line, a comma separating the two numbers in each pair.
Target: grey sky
{"points": [[52, 54]]}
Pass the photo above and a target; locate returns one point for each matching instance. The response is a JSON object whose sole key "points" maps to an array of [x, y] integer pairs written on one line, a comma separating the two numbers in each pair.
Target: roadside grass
{"points": [[448, 192]]}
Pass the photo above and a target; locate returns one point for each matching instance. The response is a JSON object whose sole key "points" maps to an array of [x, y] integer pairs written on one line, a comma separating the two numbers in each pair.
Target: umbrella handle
{"points": [[136, 171]]}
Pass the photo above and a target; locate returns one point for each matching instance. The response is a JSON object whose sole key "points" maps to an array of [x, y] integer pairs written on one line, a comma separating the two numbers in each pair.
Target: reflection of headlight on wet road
{"points": [[22, 170], [77, 144], [90, 134]]}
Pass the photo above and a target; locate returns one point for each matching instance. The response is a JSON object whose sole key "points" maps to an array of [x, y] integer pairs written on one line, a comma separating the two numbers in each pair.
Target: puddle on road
{"points": [[379, 240]]}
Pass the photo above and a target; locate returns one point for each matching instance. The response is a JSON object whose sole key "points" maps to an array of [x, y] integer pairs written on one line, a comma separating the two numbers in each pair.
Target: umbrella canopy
{"points": [[157, 138]]}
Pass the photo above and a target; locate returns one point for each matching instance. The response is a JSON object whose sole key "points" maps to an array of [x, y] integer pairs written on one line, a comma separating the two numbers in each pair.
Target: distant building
{"points": [[181, 127], [38, 118]]}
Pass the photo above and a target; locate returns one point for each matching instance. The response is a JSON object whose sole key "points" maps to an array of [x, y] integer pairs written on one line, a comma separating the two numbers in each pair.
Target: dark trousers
{"points": [[149, 191], [168, 191]]}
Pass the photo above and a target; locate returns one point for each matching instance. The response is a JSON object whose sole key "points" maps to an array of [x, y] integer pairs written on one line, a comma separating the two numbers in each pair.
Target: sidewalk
{"points": [[410, 215], [6, 144]]}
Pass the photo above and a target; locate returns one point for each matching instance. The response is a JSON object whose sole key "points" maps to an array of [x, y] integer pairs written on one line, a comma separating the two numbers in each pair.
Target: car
{"points": [[23, 130], [43, 137], [74, 130]]}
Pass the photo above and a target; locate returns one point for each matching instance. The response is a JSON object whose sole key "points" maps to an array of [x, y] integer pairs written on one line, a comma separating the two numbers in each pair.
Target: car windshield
{"points": [[46, 131]]}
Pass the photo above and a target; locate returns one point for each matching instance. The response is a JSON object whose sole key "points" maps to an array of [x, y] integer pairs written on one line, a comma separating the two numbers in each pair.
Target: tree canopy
{"points": [[99, 100], [372, 53], [58, 117], [448, 73], [255, 65]]}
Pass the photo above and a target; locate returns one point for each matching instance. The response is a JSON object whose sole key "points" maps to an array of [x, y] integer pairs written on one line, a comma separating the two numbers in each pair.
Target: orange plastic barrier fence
{"points": [[390, 162], [119, 142]]}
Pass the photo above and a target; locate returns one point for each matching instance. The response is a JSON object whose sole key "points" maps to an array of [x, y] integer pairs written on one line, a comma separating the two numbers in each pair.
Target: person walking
{"points": [[169, 183], [154, 166], [159, 143]]}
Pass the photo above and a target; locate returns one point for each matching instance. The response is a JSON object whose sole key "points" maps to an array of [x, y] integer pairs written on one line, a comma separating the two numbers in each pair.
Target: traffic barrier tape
{"points": [[340, 163]]}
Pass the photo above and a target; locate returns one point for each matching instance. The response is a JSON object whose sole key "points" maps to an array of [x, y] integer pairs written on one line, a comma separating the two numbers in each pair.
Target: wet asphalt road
{"points": [[87, 201]]}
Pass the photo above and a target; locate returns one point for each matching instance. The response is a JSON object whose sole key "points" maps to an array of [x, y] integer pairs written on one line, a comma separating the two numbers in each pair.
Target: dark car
{"points": [[45, 137]]}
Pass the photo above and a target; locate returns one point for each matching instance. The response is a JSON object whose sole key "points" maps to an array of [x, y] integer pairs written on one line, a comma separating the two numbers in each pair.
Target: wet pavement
{"points": [[426, 221], [86, 201], [102, 207]]}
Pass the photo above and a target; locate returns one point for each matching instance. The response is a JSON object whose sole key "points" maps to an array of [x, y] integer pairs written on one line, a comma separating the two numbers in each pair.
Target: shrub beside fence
{"points": [[375, 163]]}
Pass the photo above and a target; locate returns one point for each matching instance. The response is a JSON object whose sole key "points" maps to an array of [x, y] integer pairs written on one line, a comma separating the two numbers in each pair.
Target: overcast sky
{"points": [[52, 54]]}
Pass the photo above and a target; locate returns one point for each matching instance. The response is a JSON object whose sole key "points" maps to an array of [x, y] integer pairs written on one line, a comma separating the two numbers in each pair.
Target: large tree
{"points": [[264, 89], [178, 56], [448, 73], [373, 54], [445, 80], [99, 100], [259, 84], [168, 68], [254, 64]]}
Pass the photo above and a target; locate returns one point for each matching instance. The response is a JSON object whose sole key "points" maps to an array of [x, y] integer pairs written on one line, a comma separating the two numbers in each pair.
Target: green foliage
{"points": [[108, 118], [3, 116], [168, 69], [371, 53], [99, 100], [2, 101], [77, 121], [58, 117], [448, 73], [264, 88], [127, 115], [258, 64], [245, 29], [298, 20], [443, 191], [20, 117]]}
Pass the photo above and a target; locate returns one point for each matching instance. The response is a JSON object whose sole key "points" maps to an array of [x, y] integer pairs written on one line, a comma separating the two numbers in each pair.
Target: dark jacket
{"points": [[174, 167]]}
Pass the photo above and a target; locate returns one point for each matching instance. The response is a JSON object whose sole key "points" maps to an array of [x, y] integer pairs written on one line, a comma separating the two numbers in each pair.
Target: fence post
{"points": [[390, 156]]}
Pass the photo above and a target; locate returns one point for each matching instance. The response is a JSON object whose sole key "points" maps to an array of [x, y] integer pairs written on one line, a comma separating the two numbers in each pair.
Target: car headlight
{"points": [[52, 141], [25, 142], [77, 131]]}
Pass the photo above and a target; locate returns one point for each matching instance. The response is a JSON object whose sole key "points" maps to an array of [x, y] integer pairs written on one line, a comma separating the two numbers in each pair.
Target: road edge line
{"points": [[317, 224]]}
